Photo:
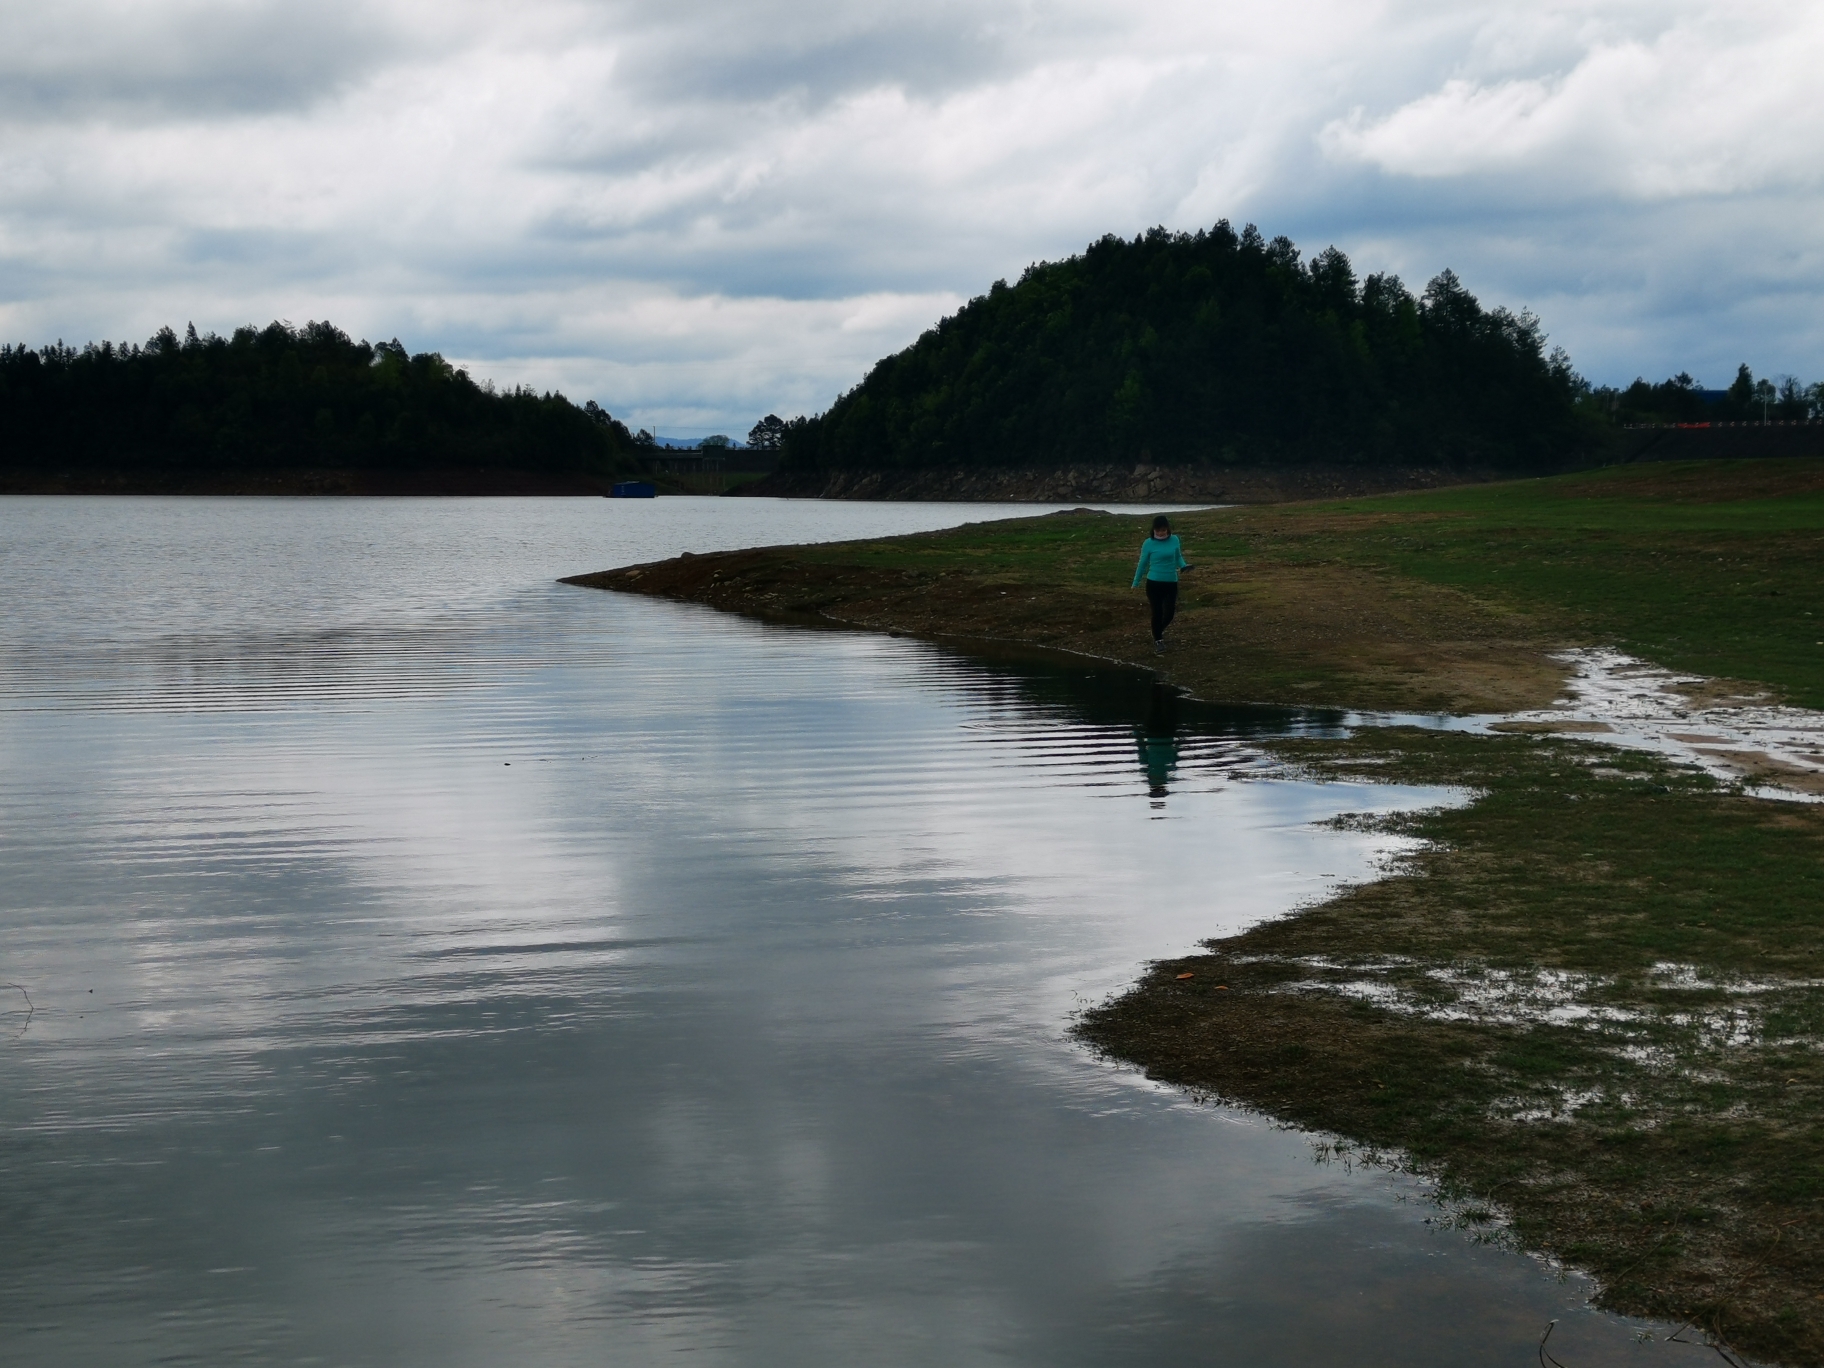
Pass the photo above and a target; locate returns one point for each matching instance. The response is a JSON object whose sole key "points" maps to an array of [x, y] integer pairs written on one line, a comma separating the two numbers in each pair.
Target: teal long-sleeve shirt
{"points": [[1160, 560]]}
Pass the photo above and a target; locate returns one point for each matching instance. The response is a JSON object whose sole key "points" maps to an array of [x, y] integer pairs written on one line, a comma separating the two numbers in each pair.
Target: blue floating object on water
{"points": [[633, 489]]}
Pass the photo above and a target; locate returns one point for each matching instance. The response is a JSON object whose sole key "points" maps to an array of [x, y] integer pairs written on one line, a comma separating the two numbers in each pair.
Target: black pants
{"points": [[1163, 595]]}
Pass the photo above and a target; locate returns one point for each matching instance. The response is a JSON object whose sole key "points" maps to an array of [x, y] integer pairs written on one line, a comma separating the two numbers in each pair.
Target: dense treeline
{"points": [[1683, 400], [278, 399], [1210, 346]]}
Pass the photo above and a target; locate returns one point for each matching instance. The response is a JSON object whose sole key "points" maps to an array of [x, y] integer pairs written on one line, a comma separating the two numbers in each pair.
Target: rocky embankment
{"points": [[1109, 483]]}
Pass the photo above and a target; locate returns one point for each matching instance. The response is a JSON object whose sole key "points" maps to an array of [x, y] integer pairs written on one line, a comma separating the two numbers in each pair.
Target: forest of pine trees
{"points": [[1213, 346]]}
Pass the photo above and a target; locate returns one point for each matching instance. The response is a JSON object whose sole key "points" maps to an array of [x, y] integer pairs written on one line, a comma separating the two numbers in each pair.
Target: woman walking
{"points": [[1161, 558]]}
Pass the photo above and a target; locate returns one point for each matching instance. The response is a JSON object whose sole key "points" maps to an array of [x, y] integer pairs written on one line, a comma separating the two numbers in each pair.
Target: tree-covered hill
{"points": [[1213, 346], [281, 399]]}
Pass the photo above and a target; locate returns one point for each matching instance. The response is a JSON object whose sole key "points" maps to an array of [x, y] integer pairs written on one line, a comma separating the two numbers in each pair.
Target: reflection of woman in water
{"points": [[1161, 558], [1159, 758], [1158, 741]]}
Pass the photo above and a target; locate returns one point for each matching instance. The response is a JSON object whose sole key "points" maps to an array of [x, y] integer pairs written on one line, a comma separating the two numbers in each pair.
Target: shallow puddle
{"points": [[1772, 750]]}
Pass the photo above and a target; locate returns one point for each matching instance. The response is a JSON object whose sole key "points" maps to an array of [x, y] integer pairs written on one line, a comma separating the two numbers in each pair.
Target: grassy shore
{"points": [[1593, 1002]]}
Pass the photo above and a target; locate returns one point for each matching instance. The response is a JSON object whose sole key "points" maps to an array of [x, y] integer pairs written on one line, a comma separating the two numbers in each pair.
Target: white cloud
{"points": [[681, 363], [1714, 105], [705, 211]]}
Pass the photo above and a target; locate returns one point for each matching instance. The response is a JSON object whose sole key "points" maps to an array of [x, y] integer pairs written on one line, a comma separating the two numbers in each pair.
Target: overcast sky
{"points": [[698, 211]]}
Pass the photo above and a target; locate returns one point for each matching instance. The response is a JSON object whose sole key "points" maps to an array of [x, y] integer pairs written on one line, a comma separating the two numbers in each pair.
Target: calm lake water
{"points": [[431, 964]]}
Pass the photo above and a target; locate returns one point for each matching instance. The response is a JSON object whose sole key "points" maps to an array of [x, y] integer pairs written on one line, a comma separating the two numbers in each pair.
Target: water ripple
{"points": [[434, 964]]}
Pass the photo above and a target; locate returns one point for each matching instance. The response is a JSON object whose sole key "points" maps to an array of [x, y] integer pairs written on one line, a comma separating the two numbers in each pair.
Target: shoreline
{"points": [[1142, 483], [1591, 1002], [1287, 636]]}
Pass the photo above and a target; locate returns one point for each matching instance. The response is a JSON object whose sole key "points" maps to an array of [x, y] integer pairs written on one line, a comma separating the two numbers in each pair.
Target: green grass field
{"points": [[1695, 567]]}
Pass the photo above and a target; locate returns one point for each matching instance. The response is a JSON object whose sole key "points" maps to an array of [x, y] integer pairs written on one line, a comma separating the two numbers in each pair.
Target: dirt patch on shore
{"points": [[1764, 770]]}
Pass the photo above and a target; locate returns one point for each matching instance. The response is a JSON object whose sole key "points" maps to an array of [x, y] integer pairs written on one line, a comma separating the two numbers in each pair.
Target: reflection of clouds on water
{"points": [[669, 982]]}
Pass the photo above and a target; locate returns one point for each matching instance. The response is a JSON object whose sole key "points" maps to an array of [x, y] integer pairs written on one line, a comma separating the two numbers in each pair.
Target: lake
{"points": [[432, 964]]}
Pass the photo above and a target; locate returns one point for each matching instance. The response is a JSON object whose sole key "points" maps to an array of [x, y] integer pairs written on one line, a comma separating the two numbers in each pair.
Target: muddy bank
{"points": [[1110, 483], [1310, 634]]}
